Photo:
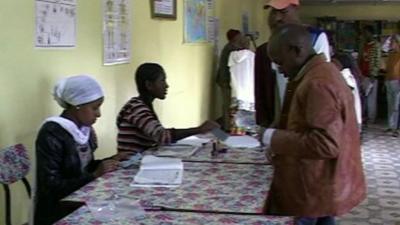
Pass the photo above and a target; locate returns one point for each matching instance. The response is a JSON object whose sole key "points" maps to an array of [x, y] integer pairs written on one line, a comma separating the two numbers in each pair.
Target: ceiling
{"points": [[310, 2]]}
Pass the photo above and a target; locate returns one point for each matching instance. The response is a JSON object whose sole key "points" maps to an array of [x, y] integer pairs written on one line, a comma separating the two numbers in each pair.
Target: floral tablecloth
{"points": [[206, 186], [83, 216], [231, 155]]}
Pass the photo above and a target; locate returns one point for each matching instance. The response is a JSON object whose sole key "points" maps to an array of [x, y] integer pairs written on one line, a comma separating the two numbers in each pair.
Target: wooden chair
{"points": [[14, 166]]}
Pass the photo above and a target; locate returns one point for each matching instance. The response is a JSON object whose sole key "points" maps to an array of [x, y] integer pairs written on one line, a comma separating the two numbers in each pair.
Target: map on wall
{"points": [[55, 23], [195, 28], [116, 32]]}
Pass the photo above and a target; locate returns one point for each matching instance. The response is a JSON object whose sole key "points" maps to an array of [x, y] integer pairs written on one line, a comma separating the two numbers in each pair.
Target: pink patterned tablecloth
{"points": [[206, 186], [83, 216], [232, 155], [256, 156]]}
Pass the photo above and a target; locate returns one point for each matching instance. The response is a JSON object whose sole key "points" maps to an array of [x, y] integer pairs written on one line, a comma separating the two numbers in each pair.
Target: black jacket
{"points": [[58, 170]]}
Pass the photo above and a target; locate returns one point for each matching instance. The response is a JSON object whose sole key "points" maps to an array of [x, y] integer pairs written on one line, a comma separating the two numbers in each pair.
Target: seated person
{"points": [[138, 125], [65, 146]]}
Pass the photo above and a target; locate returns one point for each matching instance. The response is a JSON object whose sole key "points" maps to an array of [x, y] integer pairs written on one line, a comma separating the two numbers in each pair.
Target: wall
{"points": [[28, 74], [352, 11]]}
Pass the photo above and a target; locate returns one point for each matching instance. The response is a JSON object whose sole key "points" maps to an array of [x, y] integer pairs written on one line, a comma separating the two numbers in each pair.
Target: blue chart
{"points": [[195, 30]]}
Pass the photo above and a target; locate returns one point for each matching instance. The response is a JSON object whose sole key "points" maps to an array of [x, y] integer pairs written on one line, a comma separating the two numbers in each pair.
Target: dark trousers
{"points": [[327, 220]]}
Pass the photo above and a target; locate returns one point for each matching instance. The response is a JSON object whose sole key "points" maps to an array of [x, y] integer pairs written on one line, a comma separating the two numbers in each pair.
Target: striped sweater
{"points": [[139, 128], [371, 59]]}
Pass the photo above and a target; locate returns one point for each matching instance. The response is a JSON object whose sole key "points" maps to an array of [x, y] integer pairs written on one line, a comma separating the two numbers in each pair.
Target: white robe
{"points": [[241, 64], [351, 81]]}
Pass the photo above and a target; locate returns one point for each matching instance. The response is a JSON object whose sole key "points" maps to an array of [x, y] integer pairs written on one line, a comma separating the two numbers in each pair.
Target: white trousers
{"points": [[370, 86], [393, 99]]}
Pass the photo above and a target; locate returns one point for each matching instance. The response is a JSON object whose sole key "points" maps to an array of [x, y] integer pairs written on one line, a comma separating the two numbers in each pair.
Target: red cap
{"points": [[281, 4]]}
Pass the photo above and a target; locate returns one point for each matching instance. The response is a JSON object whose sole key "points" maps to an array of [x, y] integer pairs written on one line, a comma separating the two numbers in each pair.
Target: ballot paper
{"points": [[220, 134], [194, 141], [177, 150], [242, 142], [159, 172]]}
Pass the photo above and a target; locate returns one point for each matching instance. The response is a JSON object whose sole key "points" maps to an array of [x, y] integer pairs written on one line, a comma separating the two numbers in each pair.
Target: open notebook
{"points": [[159, 172]]}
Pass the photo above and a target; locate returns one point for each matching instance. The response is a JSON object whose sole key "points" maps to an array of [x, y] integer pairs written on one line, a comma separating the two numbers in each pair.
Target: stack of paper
{"points": [[194, 141], [242, 142], [176, 150], [235, 141], [159, 172]]}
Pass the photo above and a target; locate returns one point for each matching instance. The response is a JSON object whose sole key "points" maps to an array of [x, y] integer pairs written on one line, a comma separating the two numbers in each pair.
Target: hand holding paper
{"points": [[208, 126], [220, 134]]}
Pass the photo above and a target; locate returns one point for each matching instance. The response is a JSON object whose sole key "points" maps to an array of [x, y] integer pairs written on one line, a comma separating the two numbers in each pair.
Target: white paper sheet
{"points": [[242, 142], [152, 162], [194, 141], [177, 150], [159, 177]]}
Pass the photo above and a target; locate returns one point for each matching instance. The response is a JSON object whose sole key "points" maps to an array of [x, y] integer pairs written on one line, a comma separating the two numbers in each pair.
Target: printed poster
{"points": [[55, 24], [116, 32], [211, 21]]}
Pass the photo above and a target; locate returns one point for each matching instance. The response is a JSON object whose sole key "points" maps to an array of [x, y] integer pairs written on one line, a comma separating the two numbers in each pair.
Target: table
{"points": [[82, 216], [206, 186], [214, 189], [232, 155], [255, 156]]}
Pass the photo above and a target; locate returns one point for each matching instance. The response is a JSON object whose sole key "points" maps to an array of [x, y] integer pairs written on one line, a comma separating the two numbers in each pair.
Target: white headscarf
{"points": [[77, 90]]}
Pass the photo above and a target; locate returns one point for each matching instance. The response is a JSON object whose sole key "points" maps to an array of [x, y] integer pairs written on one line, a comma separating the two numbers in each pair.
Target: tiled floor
{"points": [[381, 154]]}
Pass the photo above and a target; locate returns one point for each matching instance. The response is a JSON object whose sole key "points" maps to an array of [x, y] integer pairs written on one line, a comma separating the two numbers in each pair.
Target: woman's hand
{"points": [[122, 156], [208, 126], [105, 167]]}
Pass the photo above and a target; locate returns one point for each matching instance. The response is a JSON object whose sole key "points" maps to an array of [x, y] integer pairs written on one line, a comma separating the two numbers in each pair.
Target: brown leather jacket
{"points": [[318, 168]]}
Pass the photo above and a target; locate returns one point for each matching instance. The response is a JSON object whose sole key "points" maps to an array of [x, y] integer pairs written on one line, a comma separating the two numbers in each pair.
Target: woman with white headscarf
{"points": [[65, 146]]}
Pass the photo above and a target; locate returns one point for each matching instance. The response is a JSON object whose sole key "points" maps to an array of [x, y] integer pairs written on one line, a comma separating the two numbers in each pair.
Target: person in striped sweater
{"points": [[139, 127], [370, 58]]}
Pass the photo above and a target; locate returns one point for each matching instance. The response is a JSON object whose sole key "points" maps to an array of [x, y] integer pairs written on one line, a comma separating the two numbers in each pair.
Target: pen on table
{"points": [[214, 150], [153, 208]]}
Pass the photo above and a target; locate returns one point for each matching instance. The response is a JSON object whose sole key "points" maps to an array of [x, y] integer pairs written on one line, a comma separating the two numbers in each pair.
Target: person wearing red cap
{"points": [[224, 76], [283, 12], [270, 84]]}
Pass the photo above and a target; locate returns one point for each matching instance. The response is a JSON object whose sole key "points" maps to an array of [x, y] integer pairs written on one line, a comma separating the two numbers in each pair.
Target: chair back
{"points": [[14, 166]]}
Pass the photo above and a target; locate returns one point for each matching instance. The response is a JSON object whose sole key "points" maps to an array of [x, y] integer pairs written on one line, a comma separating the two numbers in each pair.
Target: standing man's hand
{"points": [[265, 136], [270, 155]]}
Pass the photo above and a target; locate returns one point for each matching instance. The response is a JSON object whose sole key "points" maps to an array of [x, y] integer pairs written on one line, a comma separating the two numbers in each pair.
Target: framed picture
{"points": [[163, 9]]}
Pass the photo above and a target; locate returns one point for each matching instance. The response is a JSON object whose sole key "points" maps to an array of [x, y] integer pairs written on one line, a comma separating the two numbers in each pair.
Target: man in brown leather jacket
{"points": [[315, 149]]}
